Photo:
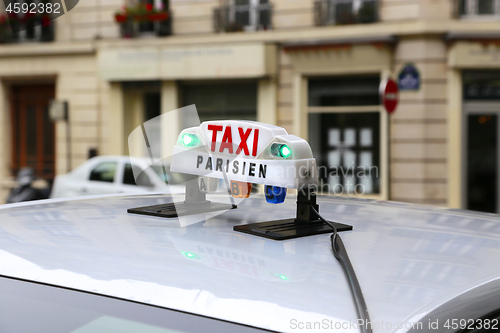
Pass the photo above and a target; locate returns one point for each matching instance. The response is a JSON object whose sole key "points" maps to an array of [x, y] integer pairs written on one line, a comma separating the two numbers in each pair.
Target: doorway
{"points": [[481, 181], [33, 133]]}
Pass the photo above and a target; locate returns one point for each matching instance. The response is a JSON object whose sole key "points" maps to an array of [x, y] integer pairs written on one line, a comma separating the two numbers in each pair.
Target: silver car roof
{"points": [[409, 259]]}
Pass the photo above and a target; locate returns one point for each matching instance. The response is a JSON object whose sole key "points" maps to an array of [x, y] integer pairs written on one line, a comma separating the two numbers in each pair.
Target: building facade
{"points": [[312, 67]]}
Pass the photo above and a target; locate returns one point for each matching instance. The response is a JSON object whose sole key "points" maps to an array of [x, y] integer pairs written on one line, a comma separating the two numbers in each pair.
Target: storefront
{"points": [[223, 81], [344, 132], [475, 115], [481, 120], [337, 108]]}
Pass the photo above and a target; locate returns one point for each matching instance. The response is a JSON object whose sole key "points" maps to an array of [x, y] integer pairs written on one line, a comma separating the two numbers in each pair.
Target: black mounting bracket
{"points": [[306, 223], [195, 203]]}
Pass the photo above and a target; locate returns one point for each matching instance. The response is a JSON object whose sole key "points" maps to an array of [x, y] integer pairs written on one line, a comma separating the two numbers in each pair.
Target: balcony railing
{"points": [[144, 19], [131, 28], [243, 17], [331, 12], [477, 9], [32, 29]]}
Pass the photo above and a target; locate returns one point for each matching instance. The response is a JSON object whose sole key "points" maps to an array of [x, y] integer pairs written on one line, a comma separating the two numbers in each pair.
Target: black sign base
{"points": [[289, 228], [306, 222], [180, 209], [195, 203]]}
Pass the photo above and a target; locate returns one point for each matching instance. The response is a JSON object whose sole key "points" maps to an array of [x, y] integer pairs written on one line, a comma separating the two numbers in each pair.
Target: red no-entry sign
{"points": [[389, 93]]}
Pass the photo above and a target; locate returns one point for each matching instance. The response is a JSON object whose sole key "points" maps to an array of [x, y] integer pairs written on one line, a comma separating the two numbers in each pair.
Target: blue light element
{"points": [[275, 194]]}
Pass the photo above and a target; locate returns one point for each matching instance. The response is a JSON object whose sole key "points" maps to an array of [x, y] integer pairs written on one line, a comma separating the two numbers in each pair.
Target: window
{"points": [[142, 178], [104, 172], [330, 12], [478, 8], [345, 126], [58, 310], [128, 175], [348, 91], [237, 100], [146, 26], [243, 15], [349, 151], [31, 20], [149, 27], [251, 14], [160, 4], [481, 85], [172, 178]]}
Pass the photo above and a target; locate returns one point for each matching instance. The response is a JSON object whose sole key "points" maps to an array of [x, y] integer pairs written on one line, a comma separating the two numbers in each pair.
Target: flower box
{"points": [[120, 18], [143, 19], [160, 16]]}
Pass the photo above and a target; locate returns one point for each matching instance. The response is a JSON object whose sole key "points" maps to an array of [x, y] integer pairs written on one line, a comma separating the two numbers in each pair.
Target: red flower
{"points": [[120, 18], [149, 7]]}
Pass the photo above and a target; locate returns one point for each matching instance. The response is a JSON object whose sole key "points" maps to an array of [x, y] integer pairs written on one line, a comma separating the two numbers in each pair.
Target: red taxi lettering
{"points": [[215, 129], [227, 139], [243, 143], [255, 141]]}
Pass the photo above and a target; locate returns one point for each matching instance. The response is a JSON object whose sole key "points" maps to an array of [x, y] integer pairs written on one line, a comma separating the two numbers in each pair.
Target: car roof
{"points": [[409, 259]]}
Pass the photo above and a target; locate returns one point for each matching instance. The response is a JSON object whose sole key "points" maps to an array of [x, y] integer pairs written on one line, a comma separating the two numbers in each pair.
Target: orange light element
{"points": [[240, 189]]}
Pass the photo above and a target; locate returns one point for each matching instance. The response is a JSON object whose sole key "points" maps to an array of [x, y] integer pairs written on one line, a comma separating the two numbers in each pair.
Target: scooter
{"points": [[25, 191]]}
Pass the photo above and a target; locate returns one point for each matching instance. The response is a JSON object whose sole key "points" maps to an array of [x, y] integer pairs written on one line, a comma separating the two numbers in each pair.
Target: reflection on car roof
{"points": [[409, 259]]}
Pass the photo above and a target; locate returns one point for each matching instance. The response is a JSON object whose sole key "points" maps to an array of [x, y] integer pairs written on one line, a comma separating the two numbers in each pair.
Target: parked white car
{"points": [[115, 174]]}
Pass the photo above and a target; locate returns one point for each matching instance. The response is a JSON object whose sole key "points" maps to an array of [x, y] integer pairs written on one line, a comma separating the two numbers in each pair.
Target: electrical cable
{"points": [[340, 252]]}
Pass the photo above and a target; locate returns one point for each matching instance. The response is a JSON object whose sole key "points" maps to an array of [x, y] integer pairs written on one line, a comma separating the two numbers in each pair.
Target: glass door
{"points": [[346, 128], [481, 181]]}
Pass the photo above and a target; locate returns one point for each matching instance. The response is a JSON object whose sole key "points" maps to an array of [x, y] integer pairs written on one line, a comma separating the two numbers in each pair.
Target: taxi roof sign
{"points": [[245, 151]]}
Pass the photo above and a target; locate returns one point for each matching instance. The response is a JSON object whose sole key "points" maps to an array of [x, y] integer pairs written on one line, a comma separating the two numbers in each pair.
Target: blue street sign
{"points": [[409, 78]]}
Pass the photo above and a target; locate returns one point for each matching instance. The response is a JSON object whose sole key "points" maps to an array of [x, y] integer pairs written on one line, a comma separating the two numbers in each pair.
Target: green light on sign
{"points": [[190, 140], [285, 152], [190, 255], [281, 150]]}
